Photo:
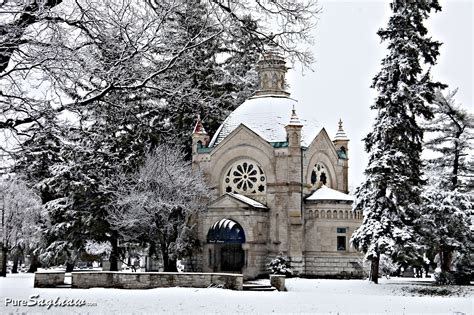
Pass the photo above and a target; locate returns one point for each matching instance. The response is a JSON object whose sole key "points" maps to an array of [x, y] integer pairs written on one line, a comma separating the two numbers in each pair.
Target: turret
{"points": [[293, 130], [200, 136], [341, 142], [271, 70]]}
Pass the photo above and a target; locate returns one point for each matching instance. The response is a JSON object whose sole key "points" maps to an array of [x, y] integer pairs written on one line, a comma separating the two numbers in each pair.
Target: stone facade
{"points": [[285, 190]]}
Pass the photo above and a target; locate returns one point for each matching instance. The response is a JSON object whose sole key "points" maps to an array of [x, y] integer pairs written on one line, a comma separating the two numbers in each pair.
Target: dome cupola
{"points": [[271, 70]]}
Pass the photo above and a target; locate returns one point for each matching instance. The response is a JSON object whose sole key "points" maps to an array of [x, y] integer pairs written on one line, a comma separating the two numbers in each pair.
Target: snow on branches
{"points": [[157, 204], [391, 192]]}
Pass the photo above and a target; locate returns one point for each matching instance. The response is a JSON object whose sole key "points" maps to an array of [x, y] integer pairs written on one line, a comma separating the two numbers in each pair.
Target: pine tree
{"points": [[447, 205], [451, 135], [392, 188], [212, 79]]}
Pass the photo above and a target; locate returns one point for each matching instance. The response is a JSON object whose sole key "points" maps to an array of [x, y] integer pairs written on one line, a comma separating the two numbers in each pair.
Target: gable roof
{"points": [[219, 202], [326, 193], [258, 141], [247, 200]]}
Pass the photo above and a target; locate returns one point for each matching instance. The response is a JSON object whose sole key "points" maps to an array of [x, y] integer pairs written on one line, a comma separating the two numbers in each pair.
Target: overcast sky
{"points": [[348, 55]]}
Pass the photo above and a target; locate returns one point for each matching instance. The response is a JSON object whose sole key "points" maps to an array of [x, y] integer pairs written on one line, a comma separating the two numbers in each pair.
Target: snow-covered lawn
{"points": [[303, 296]]}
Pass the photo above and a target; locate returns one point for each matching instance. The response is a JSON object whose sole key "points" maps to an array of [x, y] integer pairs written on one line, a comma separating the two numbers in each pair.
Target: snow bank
{"points": [[304, 296]]}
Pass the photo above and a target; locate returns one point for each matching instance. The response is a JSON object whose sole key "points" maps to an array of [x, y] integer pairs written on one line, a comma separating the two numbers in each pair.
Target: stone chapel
{"points": [[277, 188]]}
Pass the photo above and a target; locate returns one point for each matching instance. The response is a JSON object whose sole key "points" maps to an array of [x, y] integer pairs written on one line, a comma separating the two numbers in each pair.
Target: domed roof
{"points": [[265, 115], [270, 109]]}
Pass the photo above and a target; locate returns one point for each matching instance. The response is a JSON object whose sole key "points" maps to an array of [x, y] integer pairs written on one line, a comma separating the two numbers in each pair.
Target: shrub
{"points": [[280, 265], [443, 277], [464, 270]]}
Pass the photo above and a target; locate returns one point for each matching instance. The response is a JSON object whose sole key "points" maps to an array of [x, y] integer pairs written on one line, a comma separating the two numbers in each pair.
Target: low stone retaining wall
{"points": [[334, 266], [49, 279], [149, 280]]}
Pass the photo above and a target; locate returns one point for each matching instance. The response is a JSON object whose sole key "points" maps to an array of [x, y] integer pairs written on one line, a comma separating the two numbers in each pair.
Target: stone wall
{"points": [[149, 280], [327, 265], [49, 279]]}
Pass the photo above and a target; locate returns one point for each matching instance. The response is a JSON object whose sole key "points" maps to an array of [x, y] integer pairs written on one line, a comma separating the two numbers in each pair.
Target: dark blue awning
{"points": [[226, 231]]}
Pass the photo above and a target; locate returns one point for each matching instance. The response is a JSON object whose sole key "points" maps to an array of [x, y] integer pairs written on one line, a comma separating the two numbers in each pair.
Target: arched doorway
{"points": [[227, 236]]}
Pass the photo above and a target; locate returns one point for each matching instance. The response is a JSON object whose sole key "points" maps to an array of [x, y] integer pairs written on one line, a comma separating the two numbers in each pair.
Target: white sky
{"points": [[348, 55]]}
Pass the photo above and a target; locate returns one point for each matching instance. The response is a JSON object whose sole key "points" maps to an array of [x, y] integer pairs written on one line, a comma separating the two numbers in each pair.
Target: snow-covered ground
{"points": [[303, 296]]}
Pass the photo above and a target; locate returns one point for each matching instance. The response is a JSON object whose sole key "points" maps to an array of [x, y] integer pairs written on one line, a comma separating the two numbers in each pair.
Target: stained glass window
{"points": [[245, 177]]}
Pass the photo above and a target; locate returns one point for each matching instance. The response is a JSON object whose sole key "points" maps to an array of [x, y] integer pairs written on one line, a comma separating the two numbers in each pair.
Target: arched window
{"points": [[319, 176], [245, 177]]}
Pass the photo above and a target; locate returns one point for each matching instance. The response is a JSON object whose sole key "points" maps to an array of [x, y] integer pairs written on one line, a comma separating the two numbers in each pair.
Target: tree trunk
{"points": [[35, 264], [70, 266], [374, 269], [114, 255], [446, 256], [169, 265], [3, 272], [457, 154], [15, 264]]}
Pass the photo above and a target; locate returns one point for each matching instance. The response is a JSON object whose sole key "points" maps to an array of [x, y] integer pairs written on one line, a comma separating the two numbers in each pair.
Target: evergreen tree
{"points": [[447, 205], [392, 188], [451, 138]]}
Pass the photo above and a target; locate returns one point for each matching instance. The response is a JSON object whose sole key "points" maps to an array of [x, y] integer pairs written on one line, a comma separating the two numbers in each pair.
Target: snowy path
{"points": [[304, 296]]}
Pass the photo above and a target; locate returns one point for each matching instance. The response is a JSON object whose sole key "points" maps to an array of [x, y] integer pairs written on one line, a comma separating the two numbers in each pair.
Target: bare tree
{"points": [[158, 203], [63, 56], [20, 217]]}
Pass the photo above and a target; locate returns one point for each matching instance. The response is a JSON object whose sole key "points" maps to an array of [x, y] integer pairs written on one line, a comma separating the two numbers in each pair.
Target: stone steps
{"points": [[258, 287]]}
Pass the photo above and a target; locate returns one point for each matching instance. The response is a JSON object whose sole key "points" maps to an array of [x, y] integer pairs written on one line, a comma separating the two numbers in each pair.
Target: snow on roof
{"points": [[267, 116], [224, 223], [326, 193], [199, 128], [248, 200], [341, 134]]}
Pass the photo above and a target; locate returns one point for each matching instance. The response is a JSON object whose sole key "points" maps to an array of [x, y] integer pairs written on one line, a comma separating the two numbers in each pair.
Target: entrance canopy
{"points": [[226, 231]]}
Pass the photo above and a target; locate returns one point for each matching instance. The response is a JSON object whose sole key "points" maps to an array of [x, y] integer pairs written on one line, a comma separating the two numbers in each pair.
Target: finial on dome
{"points": [[271, 70], [199, 128], [341, 134], [294, 120]]}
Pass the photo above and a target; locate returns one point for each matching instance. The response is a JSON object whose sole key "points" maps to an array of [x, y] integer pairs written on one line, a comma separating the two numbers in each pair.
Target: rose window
{"points": [[245, 177], [319, 176]]}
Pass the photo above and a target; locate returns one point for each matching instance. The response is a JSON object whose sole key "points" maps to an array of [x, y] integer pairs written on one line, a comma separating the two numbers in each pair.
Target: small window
{"points": [[341, 230], [210, 258], [341, 243], [323, 178]]}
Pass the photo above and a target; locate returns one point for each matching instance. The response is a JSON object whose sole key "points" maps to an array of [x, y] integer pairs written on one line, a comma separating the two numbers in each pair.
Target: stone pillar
{"points": [[294, 186]]}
